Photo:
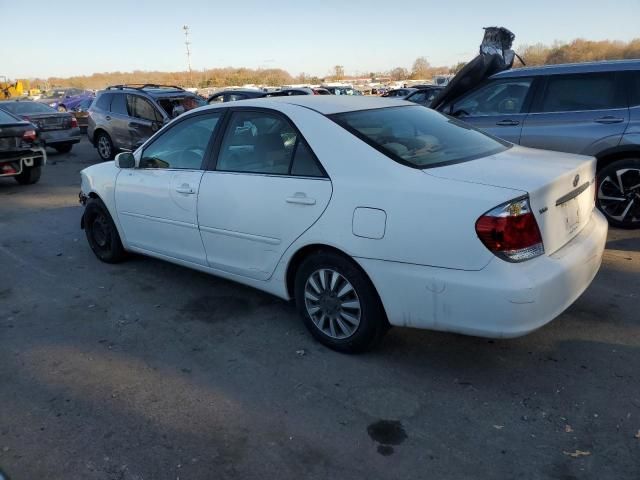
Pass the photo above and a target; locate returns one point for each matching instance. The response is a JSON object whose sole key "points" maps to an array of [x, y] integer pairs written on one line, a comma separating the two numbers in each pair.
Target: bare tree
{"points": [[399, 73], [338, 72], [421, 68]]}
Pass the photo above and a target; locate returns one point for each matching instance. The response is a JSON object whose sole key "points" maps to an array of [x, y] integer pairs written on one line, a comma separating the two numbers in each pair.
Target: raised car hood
{"points": [[495, 56]]}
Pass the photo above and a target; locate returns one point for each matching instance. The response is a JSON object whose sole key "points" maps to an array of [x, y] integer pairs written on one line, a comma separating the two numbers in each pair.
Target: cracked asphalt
{"points": [[147, 370]]}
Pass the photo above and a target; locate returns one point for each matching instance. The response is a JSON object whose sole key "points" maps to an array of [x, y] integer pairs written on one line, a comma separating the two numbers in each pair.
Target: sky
{"points": [[65, 38]]}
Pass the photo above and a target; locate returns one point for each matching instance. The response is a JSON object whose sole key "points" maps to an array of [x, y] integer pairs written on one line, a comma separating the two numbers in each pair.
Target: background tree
{"points": [[338, 72], [421, 69], [399, 73], [457, 67]]}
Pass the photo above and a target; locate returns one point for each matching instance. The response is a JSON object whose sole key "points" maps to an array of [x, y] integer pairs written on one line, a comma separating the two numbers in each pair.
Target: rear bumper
{"points": [[34, 157], [57, 137], [502, 300]]}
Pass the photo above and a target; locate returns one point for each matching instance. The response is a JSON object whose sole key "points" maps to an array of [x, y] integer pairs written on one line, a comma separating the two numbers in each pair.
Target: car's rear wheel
{"points": [[338, 303], [102, 233], [29, 175], [64, 148], [105, 146], [618, 196]]}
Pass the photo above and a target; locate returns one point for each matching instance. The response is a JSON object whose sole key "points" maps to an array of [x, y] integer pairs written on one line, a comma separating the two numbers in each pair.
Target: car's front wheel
{"points": [[618, 196], [102, 233], [105, 146], [29, 175], [338, 303]]}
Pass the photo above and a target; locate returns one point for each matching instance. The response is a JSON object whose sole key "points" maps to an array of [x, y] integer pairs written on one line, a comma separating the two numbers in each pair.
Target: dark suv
{"points": [[122, 117], [589, 108]]}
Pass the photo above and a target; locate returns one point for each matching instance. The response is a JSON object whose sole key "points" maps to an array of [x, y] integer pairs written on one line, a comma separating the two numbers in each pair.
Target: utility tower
{"points": [[188, 45]]}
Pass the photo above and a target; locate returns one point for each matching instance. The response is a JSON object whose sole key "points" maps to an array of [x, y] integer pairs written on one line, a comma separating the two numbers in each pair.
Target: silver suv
{"points": [[123, 117], [588, 108]]}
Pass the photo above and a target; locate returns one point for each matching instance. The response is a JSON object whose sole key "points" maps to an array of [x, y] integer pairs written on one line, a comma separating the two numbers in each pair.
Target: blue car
{"points": [[65, 99]]}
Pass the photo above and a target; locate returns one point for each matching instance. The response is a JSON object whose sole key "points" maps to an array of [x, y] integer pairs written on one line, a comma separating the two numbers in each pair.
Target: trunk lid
{"points": [[50, 121], [561, 186]]}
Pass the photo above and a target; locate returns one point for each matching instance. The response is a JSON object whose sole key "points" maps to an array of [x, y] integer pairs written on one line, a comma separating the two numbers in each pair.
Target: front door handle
{"points": [[108, 117], [186, 189], [508, 123], [301, 199], [609, 119]]}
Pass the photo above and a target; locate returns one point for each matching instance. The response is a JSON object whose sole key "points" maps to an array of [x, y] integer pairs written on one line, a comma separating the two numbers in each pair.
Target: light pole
{"points": [[188, 43]]}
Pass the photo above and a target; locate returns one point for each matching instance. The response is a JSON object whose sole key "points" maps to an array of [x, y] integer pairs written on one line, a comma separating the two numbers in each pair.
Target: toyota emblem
{"points": [[576, 180]]}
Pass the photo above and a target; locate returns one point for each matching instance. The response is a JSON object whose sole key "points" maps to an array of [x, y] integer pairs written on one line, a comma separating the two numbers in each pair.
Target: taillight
{"points": [[511, 232], [29, 136], [74, 122]]}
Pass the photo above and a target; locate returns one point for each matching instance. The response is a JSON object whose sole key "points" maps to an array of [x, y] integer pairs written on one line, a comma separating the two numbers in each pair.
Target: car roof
{"points": [[586, 67], [324, 104]]}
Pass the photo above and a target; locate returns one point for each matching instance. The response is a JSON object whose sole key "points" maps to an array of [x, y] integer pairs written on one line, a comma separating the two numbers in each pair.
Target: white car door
{"points": [[156, 201], [266, 190]]}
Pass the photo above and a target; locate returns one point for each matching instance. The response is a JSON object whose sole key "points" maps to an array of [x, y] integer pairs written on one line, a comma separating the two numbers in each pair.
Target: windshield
{"points": [[419, 137], [21, 108]]}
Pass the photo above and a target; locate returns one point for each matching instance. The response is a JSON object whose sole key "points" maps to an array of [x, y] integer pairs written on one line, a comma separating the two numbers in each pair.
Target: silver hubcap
{"points": [[104, 148], [332, 303], [619, 196]]}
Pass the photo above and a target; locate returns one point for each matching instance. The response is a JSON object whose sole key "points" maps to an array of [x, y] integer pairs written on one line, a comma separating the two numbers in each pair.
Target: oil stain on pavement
{"points": [[387, 433]]}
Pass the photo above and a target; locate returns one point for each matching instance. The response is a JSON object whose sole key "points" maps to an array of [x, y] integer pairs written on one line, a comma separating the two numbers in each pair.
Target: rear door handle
{"points": [[186, 189], [108, 117], [301, 199], [609, 119], [508, 123]]}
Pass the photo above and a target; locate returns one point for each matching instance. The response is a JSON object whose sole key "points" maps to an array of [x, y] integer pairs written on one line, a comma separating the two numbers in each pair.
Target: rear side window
{"points": [[119, 104], [419, 137], [574, 93], [104, 101]]}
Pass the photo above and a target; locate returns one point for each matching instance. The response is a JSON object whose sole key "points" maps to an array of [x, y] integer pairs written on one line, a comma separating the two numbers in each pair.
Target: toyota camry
{"points": [[368, 213]]}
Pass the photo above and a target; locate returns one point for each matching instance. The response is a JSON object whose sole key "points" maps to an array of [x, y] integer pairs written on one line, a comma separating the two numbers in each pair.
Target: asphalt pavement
{"points": [[147, 370]]}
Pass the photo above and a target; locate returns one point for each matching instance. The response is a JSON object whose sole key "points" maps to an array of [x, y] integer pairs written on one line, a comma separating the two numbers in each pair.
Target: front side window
{"points": [[497, 98], [257, 142], [419, 137], [142, 108], [574, 93], [182, 146]]}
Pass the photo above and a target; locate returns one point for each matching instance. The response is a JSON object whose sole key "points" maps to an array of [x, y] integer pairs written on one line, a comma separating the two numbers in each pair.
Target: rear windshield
{"points": [[419, 137], [28, 107], [175, 106], [5, 117]]}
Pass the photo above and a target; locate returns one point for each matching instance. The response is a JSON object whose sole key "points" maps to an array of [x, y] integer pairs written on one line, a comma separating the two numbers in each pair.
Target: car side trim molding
{"points": [[245, 236], [160, 220]]}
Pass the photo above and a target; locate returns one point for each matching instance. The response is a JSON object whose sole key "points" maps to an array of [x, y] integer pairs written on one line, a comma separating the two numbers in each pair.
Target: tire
{"points": [[64, 148], [618, 196], [102, 233], [29, 175], [328, 307], [105, 146]]}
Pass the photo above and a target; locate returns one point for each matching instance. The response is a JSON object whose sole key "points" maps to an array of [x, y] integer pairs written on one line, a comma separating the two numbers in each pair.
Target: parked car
{"points": [[424, 96], [81, 113], [588, 108], [56, 129], [368, 212], [399, 92], [65, 99], [288, 92], [343, 91], [234, 95], [125, 116], [21, 156]]}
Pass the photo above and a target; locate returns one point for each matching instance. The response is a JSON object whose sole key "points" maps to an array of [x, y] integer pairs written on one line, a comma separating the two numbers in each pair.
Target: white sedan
{"points": [[368, 212]]}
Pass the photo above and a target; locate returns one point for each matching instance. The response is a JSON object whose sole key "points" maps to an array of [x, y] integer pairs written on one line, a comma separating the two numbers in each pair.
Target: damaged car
{"points": [[21, 156], [366, 212]]}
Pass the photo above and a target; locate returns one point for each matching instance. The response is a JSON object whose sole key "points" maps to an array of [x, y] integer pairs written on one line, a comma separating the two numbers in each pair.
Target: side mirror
{"points": [[125, 160]]}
